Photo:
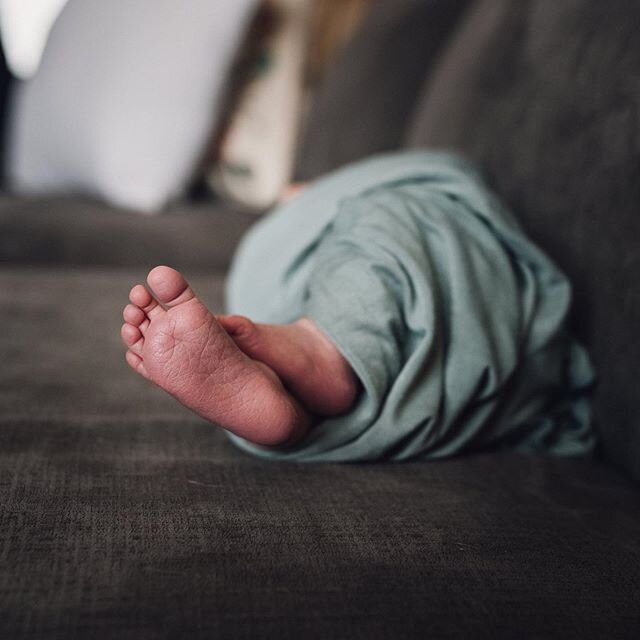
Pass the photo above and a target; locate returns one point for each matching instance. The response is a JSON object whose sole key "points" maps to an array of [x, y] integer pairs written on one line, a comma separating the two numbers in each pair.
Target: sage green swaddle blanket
{"points": [[452, 319]]}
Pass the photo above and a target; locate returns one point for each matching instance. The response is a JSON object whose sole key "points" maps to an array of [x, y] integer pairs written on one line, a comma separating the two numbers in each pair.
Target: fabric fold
{"points": [[452, 319]]}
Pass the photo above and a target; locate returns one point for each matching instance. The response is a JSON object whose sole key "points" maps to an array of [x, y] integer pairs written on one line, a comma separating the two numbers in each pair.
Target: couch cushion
{"points": [[61, 350], [365, 101], [125, 516], [546, 96], [75, 231], [124, 528]]}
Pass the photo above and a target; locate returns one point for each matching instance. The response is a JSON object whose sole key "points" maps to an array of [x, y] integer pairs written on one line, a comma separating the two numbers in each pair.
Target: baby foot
{"points": [[303, 357], [175, 342]]}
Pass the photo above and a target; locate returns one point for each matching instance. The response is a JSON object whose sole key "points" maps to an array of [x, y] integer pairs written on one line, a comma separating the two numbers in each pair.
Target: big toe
{"points": [[169, 286]]}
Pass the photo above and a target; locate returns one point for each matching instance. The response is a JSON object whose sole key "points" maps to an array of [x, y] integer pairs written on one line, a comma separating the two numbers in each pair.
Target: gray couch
{"points": [[122, 515]]}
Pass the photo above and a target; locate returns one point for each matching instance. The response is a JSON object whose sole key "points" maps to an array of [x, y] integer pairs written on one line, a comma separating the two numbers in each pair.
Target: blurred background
{"points": [[140, 103]]}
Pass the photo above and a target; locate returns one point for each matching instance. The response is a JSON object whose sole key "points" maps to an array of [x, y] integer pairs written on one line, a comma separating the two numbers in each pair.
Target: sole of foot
{"points": [[174, 341]]}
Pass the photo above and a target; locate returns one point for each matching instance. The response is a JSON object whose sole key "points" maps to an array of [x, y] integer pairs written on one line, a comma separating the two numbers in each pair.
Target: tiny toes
{"points": [[139, 296], [132, 337], [133, 315], [142, 298], [137, 317], [169, 286], [136, 363]]}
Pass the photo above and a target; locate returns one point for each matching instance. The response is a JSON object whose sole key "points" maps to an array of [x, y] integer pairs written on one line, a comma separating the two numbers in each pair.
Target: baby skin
{"points": [[265, 383]]}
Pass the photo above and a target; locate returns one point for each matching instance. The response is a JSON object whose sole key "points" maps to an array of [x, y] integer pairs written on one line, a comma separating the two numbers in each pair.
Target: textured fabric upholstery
{"points": [[545, 96], [366, 100], [73, 231], [122, 515], [60, 349], [147, 529]]}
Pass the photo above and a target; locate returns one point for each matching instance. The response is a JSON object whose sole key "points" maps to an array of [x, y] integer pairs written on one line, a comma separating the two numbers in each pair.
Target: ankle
{"points": [[332, 386]]}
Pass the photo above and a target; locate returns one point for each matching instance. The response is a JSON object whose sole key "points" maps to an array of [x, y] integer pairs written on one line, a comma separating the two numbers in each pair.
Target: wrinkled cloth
{"points": [[452, 319]]}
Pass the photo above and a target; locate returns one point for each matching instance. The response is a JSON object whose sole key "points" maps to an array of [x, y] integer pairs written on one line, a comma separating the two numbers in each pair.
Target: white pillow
{"points": [[25, 28], [125, 98]]}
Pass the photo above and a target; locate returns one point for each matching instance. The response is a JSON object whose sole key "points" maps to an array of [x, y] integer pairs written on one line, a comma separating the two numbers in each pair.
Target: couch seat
{"points": [[122, 515]]}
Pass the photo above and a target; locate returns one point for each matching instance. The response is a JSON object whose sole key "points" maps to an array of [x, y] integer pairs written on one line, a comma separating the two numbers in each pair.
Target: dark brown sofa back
{"points": [[545, 96]]}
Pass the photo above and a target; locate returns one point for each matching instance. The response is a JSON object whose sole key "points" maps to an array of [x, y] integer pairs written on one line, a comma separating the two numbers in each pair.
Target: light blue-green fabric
{"points": [[452, 319]]}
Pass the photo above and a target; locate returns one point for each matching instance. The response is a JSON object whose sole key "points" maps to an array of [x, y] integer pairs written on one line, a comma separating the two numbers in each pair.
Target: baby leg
{"points": [[304, 358]]}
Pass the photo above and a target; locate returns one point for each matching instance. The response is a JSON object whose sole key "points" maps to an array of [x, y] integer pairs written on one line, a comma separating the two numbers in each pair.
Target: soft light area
{"points": [[25, 26]]}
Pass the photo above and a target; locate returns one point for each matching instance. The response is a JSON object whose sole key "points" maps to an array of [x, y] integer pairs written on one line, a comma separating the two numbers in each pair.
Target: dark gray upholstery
{"points": [[546, 96], [62, 354], [368, 96], [159, 529], [76, 231], [122, 515]]}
